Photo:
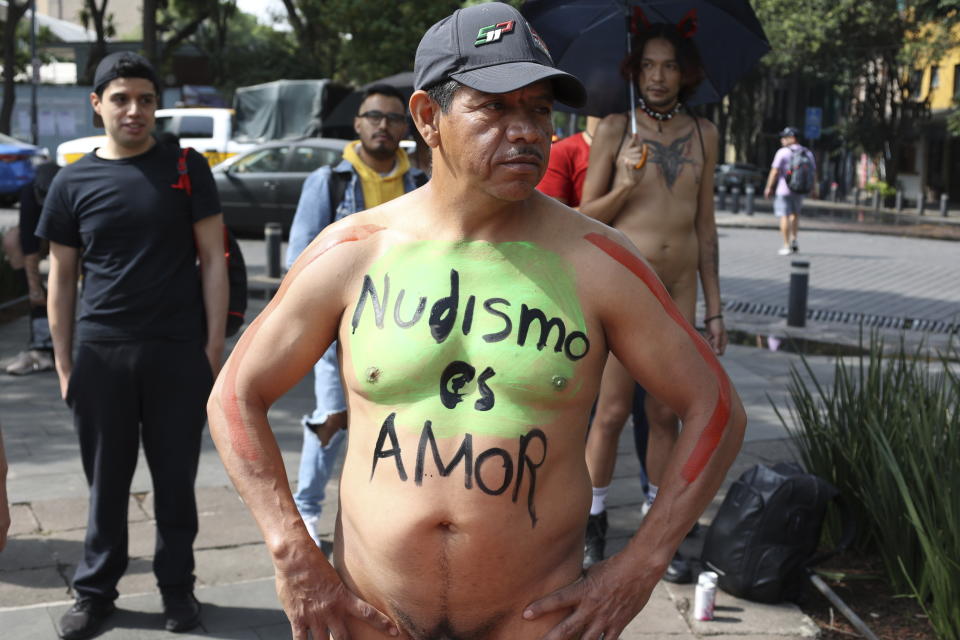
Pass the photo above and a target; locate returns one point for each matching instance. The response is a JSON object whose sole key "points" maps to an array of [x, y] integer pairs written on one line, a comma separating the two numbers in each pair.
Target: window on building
{"points": [[956, 82], [916, 80], [934, 77]]}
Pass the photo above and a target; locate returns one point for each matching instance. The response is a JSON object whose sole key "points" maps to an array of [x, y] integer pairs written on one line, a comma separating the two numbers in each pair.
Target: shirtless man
{"points": [[657, 189], [474, 316]]}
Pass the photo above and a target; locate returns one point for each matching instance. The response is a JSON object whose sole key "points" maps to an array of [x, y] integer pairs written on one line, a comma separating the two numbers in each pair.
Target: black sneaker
{"points": [[596, 539], [794, 247], [181, 612], [679, 571], [84, 618]]}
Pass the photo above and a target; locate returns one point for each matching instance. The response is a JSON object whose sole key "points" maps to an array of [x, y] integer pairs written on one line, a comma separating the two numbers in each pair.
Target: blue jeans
{"points": [[316, 465], [317, 461]]}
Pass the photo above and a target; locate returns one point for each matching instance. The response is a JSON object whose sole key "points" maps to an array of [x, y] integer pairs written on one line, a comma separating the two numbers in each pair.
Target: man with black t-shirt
{"points": [[138, 359]]}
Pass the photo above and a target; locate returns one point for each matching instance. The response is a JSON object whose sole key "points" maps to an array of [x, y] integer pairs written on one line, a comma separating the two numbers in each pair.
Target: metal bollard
{"points": [[876, 200], [736, 199], [721, 199], [750, 192], [899, 201], [797, 306], [856, 196], [834, 192], [944, 201], [921, 203], [273, 236]]}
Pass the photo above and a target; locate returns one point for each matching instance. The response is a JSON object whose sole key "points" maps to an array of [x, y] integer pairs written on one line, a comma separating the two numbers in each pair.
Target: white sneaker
{"points": [[784, 251], [311, 524], [31, 361]]}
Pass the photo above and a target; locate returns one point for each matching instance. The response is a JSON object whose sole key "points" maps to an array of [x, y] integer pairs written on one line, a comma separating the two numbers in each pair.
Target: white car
{"points": [[209, 130]]}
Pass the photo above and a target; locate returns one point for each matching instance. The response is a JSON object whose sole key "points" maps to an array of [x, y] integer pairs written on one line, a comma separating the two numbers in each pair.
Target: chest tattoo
{"points": [[670, 158]]}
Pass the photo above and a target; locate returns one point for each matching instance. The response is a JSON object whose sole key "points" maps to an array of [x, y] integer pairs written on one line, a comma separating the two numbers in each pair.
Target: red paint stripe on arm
{"points": [[710, 438], [237, 427]]}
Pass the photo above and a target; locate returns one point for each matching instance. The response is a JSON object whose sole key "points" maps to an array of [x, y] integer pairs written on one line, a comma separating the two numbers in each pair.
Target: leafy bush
{"points": [[887, 434], [881, 186]]}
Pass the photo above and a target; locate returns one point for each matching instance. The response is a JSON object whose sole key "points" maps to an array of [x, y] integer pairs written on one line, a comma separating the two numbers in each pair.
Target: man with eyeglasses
{"points": [[374, 170]]}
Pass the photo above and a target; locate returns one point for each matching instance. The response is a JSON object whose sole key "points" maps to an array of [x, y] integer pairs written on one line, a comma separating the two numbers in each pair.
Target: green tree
{"points": [[359, 40], [862, 50], [244, 52], [16, 57], [96, 13], [168, 23]]}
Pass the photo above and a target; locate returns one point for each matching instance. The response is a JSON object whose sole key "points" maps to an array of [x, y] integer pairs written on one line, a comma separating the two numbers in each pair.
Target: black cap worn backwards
{"points": [[110, 69], [790, 131], [490, 48]]}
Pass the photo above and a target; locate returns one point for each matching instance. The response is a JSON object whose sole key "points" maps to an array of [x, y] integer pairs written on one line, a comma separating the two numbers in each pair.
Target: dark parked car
{"points": [[739, 175], [17, 162], [263, 185]]}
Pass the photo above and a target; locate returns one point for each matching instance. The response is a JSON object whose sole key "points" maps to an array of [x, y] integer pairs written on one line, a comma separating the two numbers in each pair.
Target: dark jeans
{"points": [[123, 393], [40, 339], [641, 432]]}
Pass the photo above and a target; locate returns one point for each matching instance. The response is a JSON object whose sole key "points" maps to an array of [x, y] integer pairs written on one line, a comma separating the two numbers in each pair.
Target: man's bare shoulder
{"points": [[708, 129], [574, 230], [610, 131]]}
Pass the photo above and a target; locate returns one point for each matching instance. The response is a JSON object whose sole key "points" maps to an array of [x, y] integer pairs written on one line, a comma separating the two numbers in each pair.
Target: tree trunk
{"points": [[150, 31], [15, 12], [99, 48]]}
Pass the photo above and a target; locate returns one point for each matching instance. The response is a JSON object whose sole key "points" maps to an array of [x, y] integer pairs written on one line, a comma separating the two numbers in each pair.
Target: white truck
{"points": [[209, 130]]}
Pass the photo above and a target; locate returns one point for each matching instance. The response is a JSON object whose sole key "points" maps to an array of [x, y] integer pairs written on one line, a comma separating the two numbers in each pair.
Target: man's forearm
{"points": [[606, 207], [710, 271], [216, 292], [260, 479], [61, 305], [31, 265]]}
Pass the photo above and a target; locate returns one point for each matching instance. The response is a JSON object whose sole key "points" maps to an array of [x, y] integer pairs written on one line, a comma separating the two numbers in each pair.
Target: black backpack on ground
{"points": [[800, 171], [765, 536]]}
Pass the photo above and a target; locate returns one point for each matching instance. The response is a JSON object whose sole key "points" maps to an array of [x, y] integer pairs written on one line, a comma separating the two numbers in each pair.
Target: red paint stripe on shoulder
{"points": [[710, 438], [238, 428]]}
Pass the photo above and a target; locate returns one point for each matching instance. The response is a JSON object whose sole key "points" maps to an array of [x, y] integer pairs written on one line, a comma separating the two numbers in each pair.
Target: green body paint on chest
{"points": [[474, 337]]}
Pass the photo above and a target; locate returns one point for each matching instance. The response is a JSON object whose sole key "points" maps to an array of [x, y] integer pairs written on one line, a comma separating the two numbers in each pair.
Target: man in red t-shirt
{"points": [[568, 166]]}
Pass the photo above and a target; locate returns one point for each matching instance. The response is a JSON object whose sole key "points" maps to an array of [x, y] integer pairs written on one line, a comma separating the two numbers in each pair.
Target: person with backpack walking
{"points": [[374, 170], [793, 175], [135, 362]]}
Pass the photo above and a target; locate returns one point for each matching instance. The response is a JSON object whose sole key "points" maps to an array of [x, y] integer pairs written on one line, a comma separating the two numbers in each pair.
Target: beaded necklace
{"points": [[656, 115]]}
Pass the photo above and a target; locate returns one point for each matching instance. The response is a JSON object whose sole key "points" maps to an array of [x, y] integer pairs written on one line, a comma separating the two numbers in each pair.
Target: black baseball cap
{"points": [[111, 67], [491, 48], [790, 131]]}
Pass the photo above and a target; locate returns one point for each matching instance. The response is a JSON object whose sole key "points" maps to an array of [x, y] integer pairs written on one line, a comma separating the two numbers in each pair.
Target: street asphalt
{"points": [[860, 271]]}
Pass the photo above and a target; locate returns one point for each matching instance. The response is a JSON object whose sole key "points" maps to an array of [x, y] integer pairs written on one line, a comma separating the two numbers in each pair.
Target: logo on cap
{"points": [[493, 33]]}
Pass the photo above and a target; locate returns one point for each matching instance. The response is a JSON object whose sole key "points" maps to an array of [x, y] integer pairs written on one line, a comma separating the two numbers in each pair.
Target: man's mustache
{"points": [[523, 152]]}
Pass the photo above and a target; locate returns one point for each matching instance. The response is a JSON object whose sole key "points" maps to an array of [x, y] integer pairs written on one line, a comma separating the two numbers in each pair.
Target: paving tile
{"points": [[31, 586], [224, 566]]}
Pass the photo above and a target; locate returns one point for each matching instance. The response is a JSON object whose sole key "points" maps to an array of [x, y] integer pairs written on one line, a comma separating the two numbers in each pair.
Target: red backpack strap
{"points": [[183, 180]]}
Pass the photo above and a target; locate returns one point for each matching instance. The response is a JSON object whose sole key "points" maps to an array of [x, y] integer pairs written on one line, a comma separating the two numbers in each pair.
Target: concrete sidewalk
{"points": [[234, 574]]}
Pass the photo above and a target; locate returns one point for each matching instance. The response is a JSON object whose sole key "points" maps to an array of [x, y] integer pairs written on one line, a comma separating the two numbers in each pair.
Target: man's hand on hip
{"points": [[318, 603], [604, 601]]}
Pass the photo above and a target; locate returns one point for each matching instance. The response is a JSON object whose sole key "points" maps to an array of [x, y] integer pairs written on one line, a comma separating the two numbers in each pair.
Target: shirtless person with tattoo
{"points": [[474, 316], [657, 189]]}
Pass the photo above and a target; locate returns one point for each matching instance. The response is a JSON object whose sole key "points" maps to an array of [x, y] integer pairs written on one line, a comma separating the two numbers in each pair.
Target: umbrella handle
{"points": [[633, 85]]}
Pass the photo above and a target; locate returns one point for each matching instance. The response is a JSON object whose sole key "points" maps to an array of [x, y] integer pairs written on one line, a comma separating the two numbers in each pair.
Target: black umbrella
{"points": [[344, 113], [589, 38]]}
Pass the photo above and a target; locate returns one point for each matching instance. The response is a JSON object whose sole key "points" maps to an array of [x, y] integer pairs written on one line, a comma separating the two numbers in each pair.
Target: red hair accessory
{"points": [[638, 17], [688, 25]]}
